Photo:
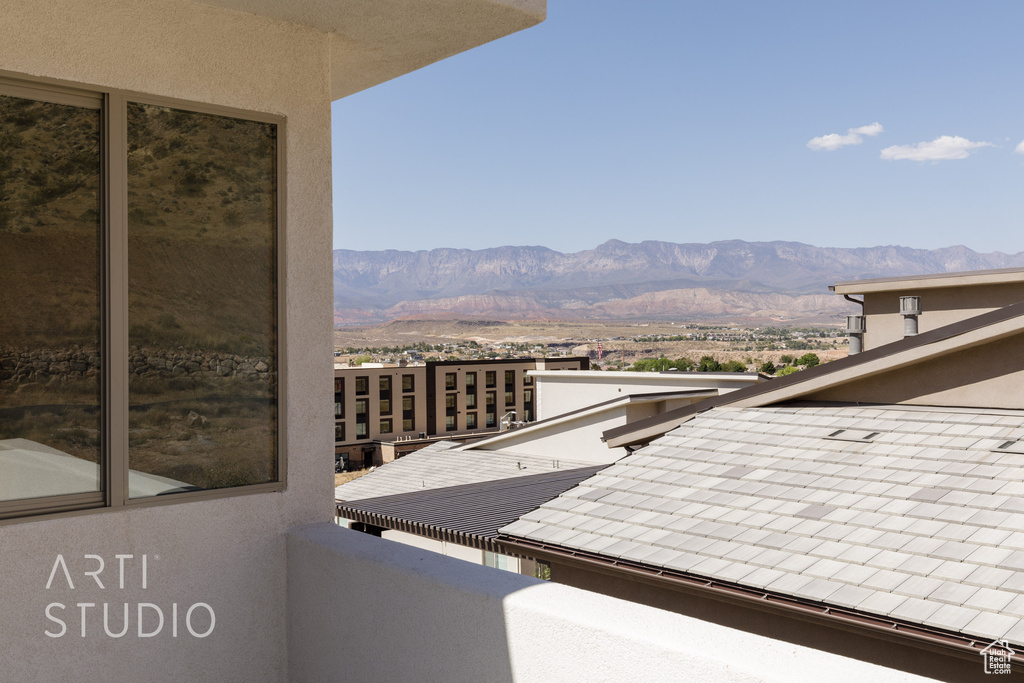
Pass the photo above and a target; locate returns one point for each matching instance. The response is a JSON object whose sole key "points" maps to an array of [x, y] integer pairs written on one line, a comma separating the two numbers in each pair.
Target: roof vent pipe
{"points": [[856, 326], [910, 308]]}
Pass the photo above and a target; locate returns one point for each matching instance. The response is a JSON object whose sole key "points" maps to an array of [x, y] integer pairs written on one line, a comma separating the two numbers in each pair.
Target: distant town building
{"points": [[379, 409]]}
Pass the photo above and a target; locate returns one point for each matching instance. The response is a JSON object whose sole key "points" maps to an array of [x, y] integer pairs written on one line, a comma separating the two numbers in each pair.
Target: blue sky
{"points": [[696, 121]]}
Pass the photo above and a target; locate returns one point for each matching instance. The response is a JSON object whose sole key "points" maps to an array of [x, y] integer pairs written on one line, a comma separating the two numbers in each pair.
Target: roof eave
{"points": [[930, 281], [373, 41], [878, 626]]}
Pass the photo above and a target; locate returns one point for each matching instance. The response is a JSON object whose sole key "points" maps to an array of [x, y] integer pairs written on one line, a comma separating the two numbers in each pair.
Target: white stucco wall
{"points": [[459, 552], [431, 618], [229, 553], [561, 392], [576, 437]]}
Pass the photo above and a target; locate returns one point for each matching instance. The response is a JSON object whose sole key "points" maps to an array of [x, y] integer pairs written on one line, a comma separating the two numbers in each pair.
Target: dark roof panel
{"points": [[470, 514]]}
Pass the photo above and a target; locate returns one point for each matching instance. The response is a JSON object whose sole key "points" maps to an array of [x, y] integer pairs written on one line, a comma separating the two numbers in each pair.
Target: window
{"points": [[471, 400], [385, 426], [408, 413], [528, 405], [527, 380], [510, 380], [491, 379], [362, 418], [470, 420], [187, 200], [384, 387], [362, 386], [339, 396], [450, 403], [408, 383], [471, 382], [510, 398], [450, 381], [498, 561], [491, 414], [449, 423], [339, 431]]}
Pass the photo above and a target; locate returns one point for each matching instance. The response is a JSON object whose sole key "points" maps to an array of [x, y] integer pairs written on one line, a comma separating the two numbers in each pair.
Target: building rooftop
{"points": [[930, 281], [439, 466], [469, 514], [975, 331], [910, 514]]}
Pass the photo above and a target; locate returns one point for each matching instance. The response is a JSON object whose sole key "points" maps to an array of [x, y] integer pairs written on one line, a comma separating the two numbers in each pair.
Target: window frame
{"points": [[112, 104]]}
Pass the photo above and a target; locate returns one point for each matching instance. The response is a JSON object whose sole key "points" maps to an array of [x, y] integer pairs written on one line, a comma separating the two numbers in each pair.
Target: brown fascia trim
{"points": [[916, 635], [425, 530], [765, 389]]}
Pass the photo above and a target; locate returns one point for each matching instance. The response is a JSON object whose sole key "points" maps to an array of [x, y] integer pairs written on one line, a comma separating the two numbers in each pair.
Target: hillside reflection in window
{"points": [[202, 225], [50, 353]]}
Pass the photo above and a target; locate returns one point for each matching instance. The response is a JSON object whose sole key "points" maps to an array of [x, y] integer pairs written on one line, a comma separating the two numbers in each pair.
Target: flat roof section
{"points": [[444, 464]]}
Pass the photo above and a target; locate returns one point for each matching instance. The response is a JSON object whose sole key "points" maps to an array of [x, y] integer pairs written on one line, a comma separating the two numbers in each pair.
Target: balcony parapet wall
{"points": [[362, 608]]}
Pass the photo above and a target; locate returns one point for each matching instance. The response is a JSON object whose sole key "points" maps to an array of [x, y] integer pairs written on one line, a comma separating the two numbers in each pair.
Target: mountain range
{"points": [[744, 281]]}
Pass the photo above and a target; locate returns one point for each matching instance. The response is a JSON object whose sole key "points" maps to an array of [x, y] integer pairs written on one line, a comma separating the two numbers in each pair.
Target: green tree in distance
{"points": [[708, 364], [808, 360], [661, 364]]}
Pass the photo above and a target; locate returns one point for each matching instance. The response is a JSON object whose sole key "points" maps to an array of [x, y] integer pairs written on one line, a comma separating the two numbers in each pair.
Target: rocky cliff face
{"points": [[752, 280]]}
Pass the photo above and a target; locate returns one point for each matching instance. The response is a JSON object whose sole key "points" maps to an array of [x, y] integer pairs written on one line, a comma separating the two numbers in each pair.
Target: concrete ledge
{"points": [[363, 608]]}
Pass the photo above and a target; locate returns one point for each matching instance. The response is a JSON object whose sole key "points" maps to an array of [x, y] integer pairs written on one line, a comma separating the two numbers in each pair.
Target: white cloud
{"points": [[871, 129], [1020, 148], [941, 148], [834, 141]]}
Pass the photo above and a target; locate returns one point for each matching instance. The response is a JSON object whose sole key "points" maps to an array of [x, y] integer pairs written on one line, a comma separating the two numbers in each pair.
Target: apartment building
{"points": [[380, 405]]}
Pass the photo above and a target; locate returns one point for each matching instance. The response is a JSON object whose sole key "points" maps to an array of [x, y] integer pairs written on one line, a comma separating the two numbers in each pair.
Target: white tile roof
{"points": [[923, 522], [438, 466]]}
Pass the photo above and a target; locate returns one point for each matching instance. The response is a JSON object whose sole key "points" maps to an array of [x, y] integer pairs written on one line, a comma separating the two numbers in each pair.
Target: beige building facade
{"points": [[384, 412], [944, 298]]}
